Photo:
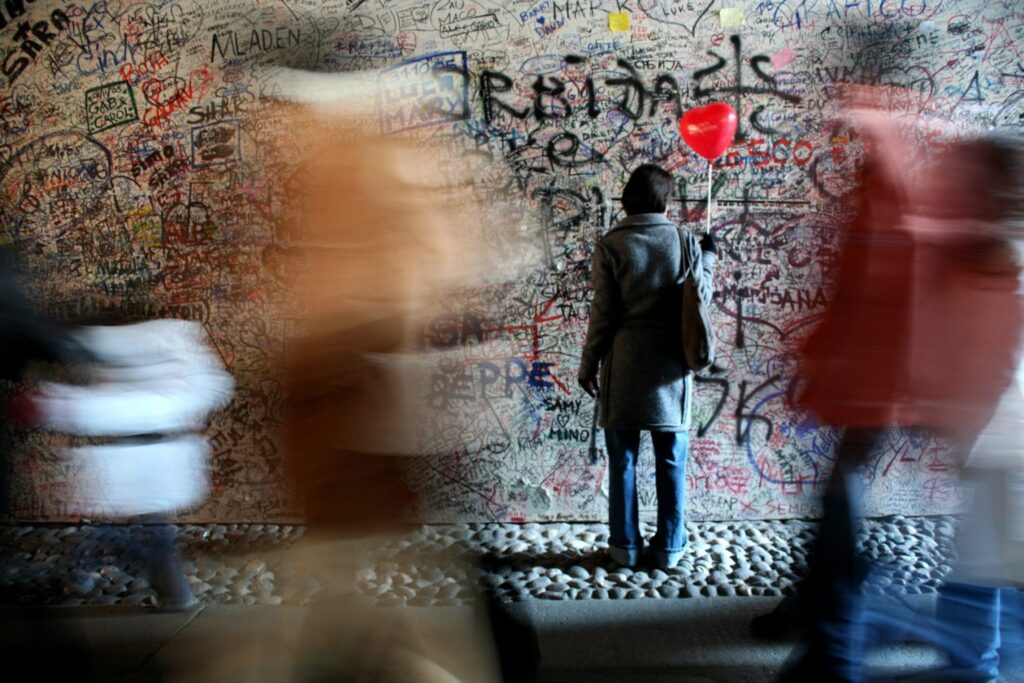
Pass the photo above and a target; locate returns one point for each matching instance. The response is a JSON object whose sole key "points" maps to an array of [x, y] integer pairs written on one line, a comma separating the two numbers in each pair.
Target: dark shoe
{"points": [[623, 557], [782, 623], [173, 606]]}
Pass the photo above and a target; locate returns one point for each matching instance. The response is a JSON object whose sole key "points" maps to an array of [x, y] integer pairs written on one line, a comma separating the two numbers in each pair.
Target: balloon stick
{"points": [[708, 231]]}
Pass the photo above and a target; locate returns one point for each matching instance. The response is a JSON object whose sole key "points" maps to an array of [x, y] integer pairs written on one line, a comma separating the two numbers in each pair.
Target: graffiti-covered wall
{"points": [[134, 170]]}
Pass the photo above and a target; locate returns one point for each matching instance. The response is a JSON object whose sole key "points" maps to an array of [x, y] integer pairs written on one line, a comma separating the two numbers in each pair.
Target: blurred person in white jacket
{"points": [[137, 423], [978, 619], [983, 588], [981, 606]]}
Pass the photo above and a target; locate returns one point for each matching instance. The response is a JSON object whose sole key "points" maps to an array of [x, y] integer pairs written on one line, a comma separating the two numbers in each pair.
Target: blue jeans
{"points": [[1011, 652], [625, 542], [968, 618], [829, 598], [158, 542]]}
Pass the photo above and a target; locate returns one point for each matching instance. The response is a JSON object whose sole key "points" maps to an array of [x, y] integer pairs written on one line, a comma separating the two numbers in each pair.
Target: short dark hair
{"points": [[647, 191]]}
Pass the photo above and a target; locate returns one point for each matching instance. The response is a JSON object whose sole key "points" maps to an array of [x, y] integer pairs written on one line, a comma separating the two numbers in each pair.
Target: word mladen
{"points": [[229, 44]]}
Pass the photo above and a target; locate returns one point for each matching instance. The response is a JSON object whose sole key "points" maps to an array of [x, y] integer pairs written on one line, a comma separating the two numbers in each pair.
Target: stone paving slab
{"points": [[227, 642], [62, 640], [653, 640], [449, 564], [638, 641]]}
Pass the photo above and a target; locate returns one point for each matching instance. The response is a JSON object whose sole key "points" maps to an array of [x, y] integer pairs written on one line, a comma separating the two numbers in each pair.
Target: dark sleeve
{"points": [[605, 308], [24, 334]]}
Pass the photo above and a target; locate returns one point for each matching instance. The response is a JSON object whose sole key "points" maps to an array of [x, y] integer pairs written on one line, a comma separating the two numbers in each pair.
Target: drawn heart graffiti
{"points": [[658, 11]]}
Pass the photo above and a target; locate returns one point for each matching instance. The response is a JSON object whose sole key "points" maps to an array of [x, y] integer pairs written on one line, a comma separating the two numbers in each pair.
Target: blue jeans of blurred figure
{"points": [[830, 597], [971, 616], [1011, 654], [157, 542], [626, 543]]}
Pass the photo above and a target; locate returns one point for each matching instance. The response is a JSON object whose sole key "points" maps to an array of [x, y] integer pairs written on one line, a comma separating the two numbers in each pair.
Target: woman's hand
{"points": [[589, 385]]}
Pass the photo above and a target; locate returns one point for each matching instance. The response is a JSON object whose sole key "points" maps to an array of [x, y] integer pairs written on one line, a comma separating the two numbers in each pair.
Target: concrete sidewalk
{"points": [[633, 641], [685, 640]]}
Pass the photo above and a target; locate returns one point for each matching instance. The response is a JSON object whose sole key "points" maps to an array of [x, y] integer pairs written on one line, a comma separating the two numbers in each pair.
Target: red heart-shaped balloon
{"points": [[708, 130]]}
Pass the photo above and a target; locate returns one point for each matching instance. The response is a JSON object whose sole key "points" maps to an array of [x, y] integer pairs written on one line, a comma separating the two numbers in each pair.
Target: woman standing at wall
{"points": [[634, 340]]}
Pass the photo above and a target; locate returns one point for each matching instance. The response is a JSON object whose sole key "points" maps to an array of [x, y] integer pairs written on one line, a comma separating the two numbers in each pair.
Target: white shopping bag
{"points": [[124, 479], [152, 377], [153, 385]]}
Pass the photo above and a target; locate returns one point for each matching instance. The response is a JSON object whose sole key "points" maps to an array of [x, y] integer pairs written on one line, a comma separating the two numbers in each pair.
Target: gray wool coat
{"points": [[634, 333]]}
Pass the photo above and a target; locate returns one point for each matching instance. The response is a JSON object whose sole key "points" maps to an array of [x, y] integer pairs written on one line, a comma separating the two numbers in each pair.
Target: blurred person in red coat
{"points": [[921, 332]]}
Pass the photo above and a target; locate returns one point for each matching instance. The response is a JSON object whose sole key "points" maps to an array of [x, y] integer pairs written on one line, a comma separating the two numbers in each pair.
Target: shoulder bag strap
{"points": [[685, 262]]}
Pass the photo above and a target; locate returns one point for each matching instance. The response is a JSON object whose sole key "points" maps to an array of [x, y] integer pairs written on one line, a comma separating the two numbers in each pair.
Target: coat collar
{"points": [[643, 220]]}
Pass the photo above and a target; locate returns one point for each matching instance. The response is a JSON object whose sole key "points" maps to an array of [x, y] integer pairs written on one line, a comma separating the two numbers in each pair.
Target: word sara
{"points": [[30, 37]]}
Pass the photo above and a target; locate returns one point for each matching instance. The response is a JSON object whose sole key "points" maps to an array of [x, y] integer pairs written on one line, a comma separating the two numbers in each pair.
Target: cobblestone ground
{"points": [[449, 564]]}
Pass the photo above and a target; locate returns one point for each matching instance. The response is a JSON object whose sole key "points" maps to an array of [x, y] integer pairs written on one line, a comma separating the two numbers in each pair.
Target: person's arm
{"points": [[25, 335], [705, 275], [604, 314]]}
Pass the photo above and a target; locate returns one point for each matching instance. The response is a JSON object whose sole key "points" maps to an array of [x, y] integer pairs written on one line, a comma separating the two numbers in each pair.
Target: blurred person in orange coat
{"points": [[373, 236]]}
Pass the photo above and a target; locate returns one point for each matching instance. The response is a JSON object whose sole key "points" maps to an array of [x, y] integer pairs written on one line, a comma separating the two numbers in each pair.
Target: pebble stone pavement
{"points": [[449, 564]]}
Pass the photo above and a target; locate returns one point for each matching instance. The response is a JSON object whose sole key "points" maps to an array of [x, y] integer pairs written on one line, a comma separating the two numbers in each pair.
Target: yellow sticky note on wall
{"points": [[731, 16], [618, 21]]}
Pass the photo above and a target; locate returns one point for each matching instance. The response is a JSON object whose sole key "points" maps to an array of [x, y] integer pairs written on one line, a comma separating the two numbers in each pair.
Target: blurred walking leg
{"points": [[831, 593], [971, 614], [968, 610], [159, 541], [1011, 622]]}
